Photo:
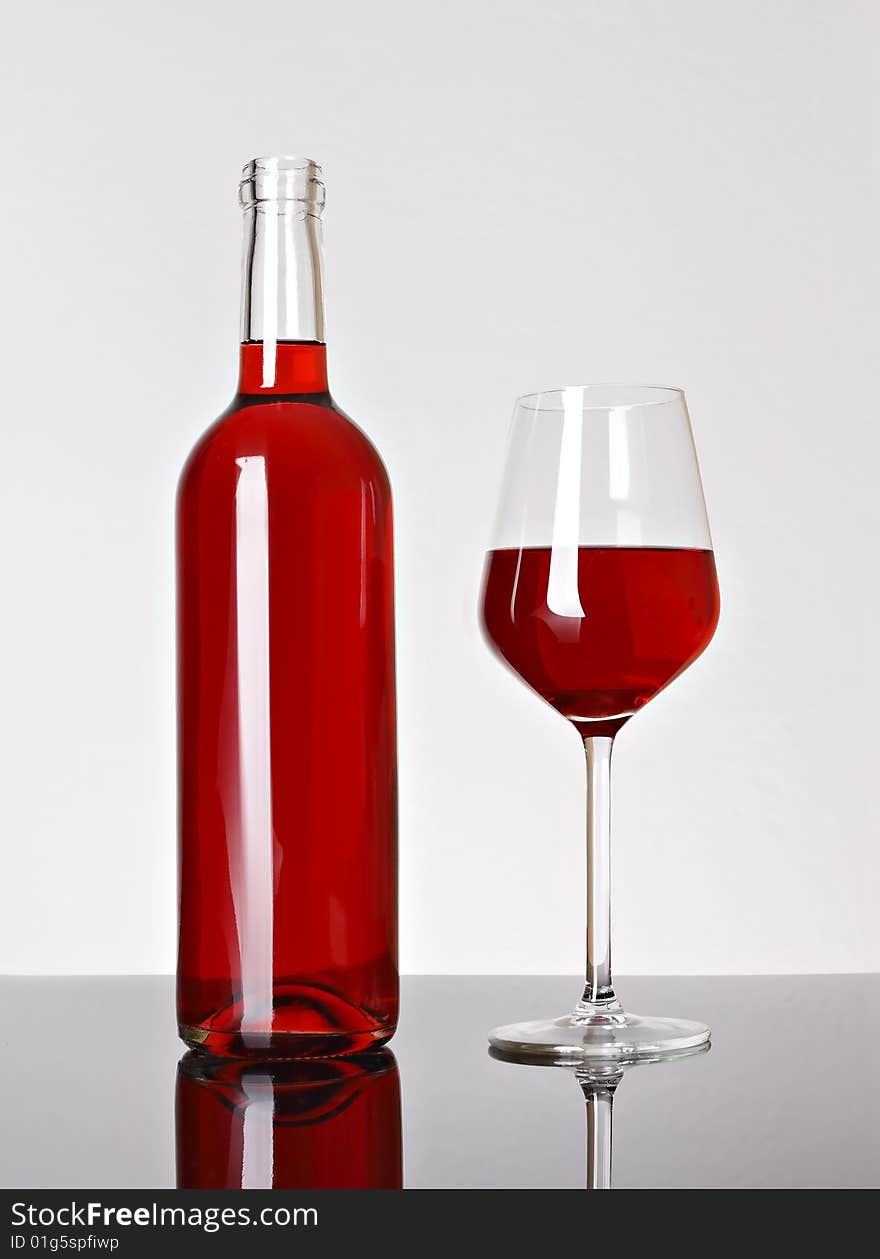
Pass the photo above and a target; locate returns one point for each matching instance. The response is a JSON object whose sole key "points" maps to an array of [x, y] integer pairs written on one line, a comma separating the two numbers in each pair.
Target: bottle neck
{"points": [[282, 302]]}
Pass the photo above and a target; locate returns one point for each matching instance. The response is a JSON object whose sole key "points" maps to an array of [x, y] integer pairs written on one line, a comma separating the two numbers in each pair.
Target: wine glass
{"points": [[599, 589]]}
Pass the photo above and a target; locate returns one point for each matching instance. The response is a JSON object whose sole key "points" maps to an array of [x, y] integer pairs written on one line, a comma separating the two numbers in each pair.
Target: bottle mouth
{"points": [[282, 179]]}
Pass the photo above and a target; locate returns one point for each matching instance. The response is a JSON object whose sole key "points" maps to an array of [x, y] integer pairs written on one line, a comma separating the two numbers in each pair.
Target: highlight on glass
{"points": [[600, 589]]}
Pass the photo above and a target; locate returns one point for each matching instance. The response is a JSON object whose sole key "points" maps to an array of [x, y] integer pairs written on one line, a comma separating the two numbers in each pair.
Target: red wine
{"points": [[331, 1124], [287, 759], [601, 633], [287, 739]]}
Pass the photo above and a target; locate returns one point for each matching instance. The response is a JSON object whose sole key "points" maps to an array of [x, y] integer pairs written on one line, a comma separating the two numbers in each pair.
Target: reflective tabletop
{"points": [[93, 1095]]}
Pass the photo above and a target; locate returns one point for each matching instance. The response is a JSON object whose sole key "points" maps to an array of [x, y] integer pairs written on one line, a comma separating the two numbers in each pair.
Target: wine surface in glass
{"points": [[597, 632]]}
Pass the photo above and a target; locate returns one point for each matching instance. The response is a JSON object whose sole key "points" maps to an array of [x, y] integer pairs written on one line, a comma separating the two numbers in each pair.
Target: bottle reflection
{"points": [[316, 1124], [598, 1082]]}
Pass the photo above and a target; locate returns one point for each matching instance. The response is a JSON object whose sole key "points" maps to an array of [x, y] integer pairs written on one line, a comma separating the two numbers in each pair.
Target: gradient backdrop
{"points": [[518, 196]]}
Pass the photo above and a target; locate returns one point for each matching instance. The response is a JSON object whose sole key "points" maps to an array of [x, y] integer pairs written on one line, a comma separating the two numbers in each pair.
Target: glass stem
{"points": [[599, 988]]}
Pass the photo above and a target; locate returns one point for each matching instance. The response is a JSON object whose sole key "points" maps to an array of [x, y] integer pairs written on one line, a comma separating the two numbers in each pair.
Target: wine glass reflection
{"points": [[598, 1081], [315, 1124]]}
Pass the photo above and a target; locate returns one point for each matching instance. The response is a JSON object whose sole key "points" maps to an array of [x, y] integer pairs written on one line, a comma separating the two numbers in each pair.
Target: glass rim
{"points": [[630, 395]]}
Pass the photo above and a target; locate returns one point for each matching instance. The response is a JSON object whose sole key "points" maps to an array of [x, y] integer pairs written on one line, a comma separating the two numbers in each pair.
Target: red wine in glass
{"points": [[647, 613]]}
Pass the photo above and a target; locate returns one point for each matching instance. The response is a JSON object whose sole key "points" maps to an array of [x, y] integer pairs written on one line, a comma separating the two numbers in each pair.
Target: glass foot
{"points": [[603, 1033]]}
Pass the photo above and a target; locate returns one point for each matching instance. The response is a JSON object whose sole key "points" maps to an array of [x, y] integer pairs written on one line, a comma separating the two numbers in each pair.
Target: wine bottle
{"points": [[286, 707]]}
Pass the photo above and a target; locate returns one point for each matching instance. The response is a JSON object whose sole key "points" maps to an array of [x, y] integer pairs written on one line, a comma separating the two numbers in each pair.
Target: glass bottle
{"points": [[287, 742]]}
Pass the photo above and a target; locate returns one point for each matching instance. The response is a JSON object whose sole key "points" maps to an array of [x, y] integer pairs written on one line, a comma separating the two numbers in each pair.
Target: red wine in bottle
{"points": [[312, 1124], [648, 612], [287, 757]]}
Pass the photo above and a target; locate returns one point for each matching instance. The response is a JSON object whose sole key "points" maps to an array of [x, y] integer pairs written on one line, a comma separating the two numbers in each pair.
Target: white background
{"points": [[519, 195]]}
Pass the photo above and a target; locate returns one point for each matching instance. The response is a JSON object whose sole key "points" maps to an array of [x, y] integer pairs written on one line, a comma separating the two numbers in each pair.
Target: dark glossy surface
{"points": [[787, 1096]]}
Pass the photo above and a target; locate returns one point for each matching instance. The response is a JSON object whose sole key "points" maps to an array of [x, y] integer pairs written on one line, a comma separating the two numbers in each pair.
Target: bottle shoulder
{"points": [[303, 433]]}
